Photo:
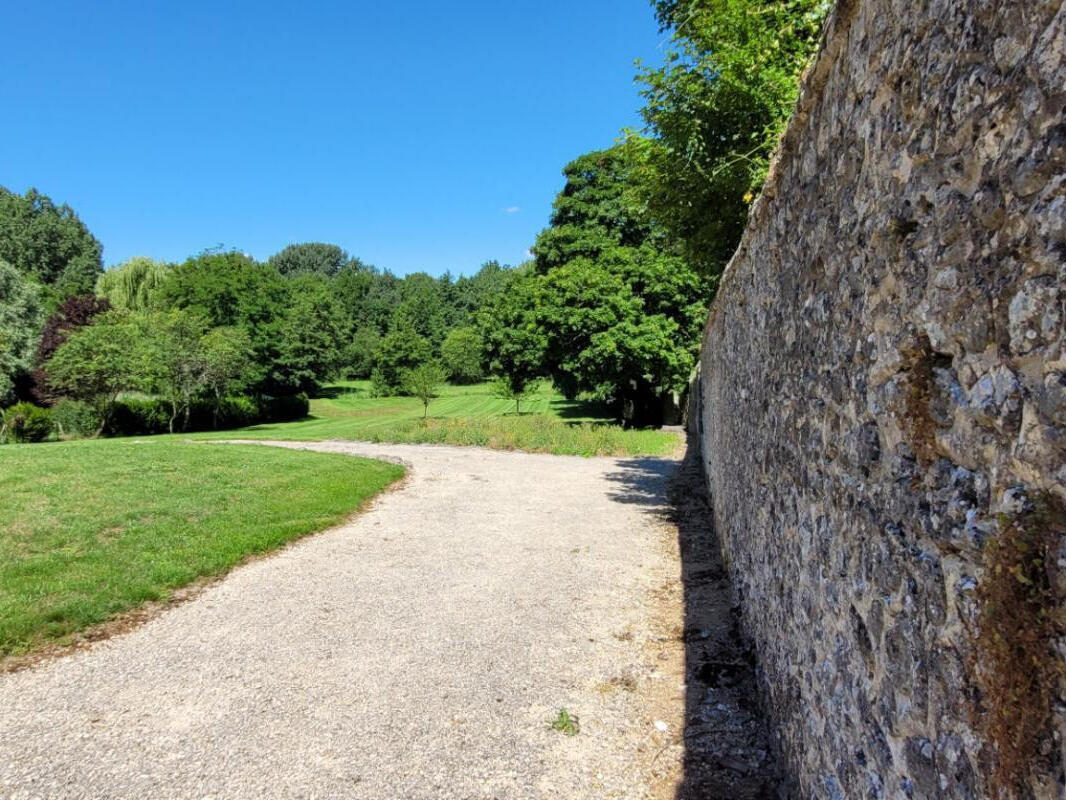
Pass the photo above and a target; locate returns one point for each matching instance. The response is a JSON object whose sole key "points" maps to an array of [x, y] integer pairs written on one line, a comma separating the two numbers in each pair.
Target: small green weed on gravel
{"points": [[566, 723]]}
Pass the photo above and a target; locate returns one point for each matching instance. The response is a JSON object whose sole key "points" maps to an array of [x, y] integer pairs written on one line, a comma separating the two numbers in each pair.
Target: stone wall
{"points": [[883, 392]]}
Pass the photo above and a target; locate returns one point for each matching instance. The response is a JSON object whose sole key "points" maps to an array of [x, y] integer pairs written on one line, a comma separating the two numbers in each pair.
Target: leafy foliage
{"points": [[310, 258], [171, 363], [133, 285], [424, 382], [514, 388], [716, 109], [232, 290], [49, 244], [74, 418], [25, 422], [98, 362], [358, 354], [310, 337], [20, 314], [402, 349], [612, 309], [73, 313], [463, 355]]}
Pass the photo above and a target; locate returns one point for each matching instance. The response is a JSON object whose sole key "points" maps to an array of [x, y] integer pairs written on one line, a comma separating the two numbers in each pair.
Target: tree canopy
{"points": [[715, 111], [310, 257], [133, 285], [20, 313], [49, 244]]}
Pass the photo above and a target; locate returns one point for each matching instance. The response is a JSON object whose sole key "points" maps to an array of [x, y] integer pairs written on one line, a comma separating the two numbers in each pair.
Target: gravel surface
{"points": [[418, 651]]}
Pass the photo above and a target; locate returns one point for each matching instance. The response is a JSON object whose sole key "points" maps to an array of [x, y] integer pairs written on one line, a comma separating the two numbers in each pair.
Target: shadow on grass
{"points": [[333, 392], [725, 739]]}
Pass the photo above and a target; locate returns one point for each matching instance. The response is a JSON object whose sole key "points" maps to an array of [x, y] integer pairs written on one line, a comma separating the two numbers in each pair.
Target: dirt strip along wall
{"points": [[882, 406]]}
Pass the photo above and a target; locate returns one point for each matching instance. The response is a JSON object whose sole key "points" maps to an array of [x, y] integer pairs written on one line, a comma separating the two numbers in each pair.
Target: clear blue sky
{"points": [[417, 135]]}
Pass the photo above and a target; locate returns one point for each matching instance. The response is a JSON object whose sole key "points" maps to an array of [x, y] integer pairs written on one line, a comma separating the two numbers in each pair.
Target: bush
{"points": [[284, 409], [25, 422], [139, 416], [238, 411], [75, 418]]}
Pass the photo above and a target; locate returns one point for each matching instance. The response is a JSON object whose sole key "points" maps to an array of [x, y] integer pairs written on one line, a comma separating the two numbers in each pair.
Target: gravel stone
{"points": [[418, 651]]}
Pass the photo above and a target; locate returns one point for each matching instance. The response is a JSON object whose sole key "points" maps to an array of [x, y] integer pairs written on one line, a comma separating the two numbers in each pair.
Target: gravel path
{"points": [[418, 651]]}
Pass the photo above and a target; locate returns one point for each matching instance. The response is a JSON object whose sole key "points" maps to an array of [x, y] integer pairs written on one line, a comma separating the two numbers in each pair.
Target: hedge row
{"points": [[146, 416]]}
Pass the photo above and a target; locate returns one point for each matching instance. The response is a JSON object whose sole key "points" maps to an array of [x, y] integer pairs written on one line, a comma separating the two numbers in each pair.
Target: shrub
{"points": [[238, 411], [25, 422], [75, 418], [284, 409], [139, 416]]}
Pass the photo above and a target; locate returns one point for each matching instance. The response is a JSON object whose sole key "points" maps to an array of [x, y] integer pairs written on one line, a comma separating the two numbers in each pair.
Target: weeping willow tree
{"points": [[716, 109], [132, 286]]}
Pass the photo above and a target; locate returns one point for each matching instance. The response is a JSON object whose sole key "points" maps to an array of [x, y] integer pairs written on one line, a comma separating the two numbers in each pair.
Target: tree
{"points": [[133, 285], [49, 244], [517, 387], [232, 290], [311, 334], [402, 349], [613, 310], [20, 315], [463, 355], [358, 354], [226, 363], [310, 258], [170, 358], [716, 109], [73, 313], [424, 382], [421, 308], [98, 362], [514, 342]]}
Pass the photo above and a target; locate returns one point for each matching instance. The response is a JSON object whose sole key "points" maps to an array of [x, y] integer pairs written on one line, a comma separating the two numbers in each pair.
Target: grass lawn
{"points": [[466, 415], [89, 529]]}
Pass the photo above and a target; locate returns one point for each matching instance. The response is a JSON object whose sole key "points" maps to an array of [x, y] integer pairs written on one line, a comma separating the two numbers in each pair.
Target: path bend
{"points": [[417, 651]]}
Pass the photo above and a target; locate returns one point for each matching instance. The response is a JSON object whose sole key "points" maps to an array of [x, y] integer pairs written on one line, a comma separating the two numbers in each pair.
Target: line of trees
{"points": [[610, 305]]}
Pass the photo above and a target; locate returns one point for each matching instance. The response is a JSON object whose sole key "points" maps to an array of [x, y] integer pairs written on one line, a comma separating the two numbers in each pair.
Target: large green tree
{"points": [[170, 359], [98, 362], [463, 355], [715, 110], [514, 340], [230, 289], [312, 333], [20, 319], [133, 285], [401, 350], [310, 257], [48, 243], [617, 310]]}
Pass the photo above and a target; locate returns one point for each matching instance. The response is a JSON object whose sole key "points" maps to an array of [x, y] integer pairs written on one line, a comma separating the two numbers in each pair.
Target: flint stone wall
{"points": [[884, 374]]}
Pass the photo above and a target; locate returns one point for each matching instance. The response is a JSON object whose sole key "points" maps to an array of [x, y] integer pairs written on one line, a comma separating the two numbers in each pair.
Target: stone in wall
{"points": [[883, 389]]}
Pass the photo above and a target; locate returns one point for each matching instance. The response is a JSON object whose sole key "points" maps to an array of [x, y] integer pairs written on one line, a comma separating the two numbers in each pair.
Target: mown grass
{"points": [[90, 529], [466, 415]]}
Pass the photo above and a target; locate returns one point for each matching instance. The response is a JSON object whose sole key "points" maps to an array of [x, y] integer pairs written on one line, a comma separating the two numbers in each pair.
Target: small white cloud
{"points": [[512, 210]]}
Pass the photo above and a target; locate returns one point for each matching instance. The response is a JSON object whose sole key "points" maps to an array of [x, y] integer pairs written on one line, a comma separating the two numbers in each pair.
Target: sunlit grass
{"points": [[466, 415], [90, 529]]}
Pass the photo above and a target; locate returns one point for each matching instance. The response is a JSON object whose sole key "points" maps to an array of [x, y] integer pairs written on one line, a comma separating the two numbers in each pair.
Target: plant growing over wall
{"points": [[1016, 667]]}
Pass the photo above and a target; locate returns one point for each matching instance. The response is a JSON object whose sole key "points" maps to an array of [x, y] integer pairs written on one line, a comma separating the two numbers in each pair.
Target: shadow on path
{"points": [[726, 751]]}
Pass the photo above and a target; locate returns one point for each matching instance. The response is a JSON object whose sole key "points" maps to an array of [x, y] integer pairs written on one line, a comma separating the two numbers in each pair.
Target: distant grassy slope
{"points": [[90, 529], [465, 415]]}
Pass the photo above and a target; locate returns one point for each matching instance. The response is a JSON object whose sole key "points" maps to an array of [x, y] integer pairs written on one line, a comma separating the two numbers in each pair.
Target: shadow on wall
{"points": [[726, 750]]}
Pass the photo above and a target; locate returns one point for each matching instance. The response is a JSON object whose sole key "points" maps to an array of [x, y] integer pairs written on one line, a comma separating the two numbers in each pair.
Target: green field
{"points": [[94, 528], [466, 415]]}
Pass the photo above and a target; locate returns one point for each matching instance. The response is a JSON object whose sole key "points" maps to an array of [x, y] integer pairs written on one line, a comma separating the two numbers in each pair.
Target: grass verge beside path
{"points": [[91, 529], [465, 415]]}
